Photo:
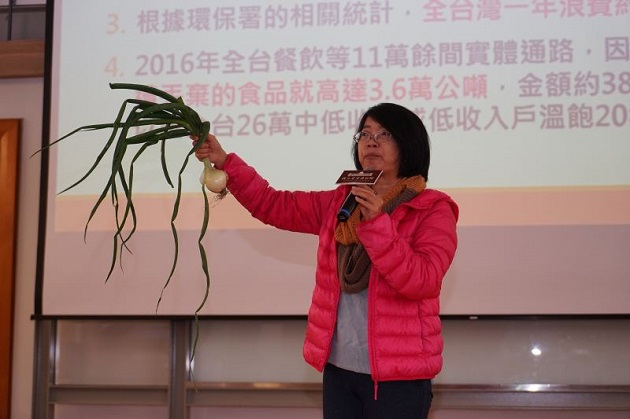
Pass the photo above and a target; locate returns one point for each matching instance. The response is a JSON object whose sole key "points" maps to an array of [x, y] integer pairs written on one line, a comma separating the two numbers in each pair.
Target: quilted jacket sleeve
{"points": [[413, 248], [297, 211]]}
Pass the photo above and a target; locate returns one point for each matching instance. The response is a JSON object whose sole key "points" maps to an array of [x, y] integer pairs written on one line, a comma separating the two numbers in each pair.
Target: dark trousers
{"points": [[350, 395]]}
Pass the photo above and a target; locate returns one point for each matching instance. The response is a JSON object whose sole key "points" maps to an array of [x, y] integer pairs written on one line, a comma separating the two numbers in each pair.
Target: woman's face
{"points": [[378, 155]]}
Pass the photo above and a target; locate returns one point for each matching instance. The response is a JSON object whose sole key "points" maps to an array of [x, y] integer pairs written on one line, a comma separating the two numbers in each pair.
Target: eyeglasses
{"points": [[379, 137]]}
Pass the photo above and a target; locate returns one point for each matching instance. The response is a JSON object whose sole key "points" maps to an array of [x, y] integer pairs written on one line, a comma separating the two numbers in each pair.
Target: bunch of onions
{"points": [[168, 120]]}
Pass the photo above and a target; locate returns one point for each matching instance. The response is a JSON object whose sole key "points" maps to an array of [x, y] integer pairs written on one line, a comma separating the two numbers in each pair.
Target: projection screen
{"points": [[527, 104]]}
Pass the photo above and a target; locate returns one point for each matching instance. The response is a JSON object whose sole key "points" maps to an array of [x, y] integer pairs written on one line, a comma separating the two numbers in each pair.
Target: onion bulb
{"points": [[214, 179]]}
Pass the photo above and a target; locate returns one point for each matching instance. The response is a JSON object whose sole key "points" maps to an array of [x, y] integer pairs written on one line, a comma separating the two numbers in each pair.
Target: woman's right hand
{"points": [[211, 149]]}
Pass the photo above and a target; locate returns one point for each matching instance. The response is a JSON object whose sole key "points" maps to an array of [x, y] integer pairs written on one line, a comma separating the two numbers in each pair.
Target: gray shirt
{"points": [[349, 348]]}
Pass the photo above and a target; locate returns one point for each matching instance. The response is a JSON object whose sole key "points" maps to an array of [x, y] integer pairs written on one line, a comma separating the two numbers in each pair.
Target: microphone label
{"points": [[359, 177]]}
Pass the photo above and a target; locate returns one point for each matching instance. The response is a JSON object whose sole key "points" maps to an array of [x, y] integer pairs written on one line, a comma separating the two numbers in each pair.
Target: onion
{"points": [[214, 179]]}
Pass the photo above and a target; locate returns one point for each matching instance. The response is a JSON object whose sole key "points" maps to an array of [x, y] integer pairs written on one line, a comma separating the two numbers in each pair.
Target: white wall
{"points": [[22, 98]]}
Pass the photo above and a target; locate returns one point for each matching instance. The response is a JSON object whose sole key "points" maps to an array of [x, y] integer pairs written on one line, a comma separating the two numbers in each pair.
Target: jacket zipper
{"points": [[371, 297]]}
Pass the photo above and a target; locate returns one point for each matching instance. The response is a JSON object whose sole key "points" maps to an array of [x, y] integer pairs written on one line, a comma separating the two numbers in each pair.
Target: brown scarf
{"points": [[353, 262]]}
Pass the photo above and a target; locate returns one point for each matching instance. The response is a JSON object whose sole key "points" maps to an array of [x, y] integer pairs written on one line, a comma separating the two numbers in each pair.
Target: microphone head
{"points": [[343, 215]]}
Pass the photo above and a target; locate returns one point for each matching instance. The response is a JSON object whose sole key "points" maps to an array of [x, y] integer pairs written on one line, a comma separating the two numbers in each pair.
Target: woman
{"points": [[373, 325]]}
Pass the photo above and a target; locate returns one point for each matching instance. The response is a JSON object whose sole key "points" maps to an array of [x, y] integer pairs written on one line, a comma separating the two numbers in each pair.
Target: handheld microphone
{"points": [[350, 203]]}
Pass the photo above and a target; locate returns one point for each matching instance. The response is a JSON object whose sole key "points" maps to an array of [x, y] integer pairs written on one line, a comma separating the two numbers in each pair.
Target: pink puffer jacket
{"points": [[411, 250]]}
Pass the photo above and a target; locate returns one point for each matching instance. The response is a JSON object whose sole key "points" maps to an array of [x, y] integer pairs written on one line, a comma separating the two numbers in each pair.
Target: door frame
{"points": [[9, 162]]}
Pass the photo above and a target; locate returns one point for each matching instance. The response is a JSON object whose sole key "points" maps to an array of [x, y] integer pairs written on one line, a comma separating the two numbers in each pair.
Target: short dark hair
{"points": [[409, 133]]}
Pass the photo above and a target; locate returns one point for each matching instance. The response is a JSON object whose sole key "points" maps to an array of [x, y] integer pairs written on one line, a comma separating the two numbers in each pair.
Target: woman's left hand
{"points": [[370, 203]]}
